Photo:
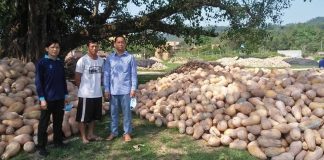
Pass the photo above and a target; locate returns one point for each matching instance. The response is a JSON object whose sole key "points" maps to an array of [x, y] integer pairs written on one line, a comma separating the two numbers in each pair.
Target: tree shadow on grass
{"points": [[149, 142]]}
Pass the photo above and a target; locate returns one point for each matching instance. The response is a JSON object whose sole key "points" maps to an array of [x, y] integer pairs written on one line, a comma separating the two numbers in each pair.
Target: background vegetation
{"points": [[308, 37], [26, 25]]}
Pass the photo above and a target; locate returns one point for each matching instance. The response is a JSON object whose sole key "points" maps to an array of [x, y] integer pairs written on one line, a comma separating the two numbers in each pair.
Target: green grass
{"points": [[143, 78], [149, 142], [171, 66], [302, 66], [153, 143], [209, 55]]}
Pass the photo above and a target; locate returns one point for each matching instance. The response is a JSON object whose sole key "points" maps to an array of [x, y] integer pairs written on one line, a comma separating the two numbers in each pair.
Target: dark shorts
{"points": [[89, 109]]}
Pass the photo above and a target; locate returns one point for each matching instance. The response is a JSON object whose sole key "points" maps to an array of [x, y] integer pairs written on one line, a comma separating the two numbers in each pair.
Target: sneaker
{"points": [[43, 152]]}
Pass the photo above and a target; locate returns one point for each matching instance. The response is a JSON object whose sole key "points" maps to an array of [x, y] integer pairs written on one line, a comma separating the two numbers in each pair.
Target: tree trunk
{"points": [[13, 42], [36, 33], [30, 29]]}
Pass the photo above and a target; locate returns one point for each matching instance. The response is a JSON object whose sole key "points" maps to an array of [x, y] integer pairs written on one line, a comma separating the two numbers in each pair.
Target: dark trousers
{"points": [[56, 109]]}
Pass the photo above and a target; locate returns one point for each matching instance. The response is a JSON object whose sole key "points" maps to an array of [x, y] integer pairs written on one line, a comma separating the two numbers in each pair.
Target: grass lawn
{"points": [[143, 78], [303, 66], [149, 142], [170, 67]]}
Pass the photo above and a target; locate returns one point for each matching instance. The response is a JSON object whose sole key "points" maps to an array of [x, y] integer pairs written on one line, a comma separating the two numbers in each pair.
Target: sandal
{"points": [[110, 137], [127, 138]]}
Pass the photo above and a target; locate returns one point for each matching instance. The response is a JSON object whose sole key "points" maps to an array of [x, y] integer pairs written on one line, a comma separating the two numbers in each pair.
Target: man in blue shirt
{"points": [[321, 64], [52, 91], [120, 80]]}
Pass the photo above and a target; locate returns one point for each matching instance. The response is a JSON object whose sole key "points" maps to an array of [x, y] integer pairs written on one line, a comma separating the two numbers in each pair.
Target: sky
{"points": [[301, 11], [298, 12]]}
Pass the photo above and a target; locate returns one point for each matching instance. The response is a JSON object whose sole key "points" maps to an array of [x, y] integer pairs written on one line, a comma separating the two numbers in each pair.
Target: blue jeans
{"points": [[123, 102]]}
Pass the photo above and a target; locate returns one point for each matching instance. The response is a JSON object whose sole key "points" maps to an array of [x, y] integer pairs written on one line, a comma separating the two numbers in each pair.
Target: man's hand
{"points": [[107, 95], [77, 78], [67, 99], [43, 105], [132, 93]]}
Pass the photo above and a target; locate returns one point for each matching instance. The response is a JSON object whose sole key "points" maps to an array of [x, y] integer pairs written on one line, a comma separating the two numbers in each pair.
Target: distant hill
{"points": [[170, 37], [316, 20], [218, 29]]}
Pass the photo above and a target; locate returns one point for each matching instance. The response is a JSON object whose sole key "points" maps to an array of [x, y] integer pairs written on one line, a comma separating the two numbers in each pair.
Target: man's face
{"points": [[120, 44], [93, 48], [53, 50]]}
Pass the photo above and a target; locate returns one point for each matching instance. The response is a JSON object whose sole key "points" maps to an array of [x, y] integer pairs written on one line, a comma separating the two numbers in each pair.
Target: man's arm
{"points": [[107, 78], [78, 72], [133, 76], [66, 93], [39, 82], [39, 79], [77, 78]]}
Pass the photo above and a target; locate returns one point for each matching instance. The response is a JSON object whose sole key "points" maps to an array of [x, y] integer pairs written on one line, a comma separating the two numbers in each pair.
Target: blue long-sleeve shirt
{"points": [[50, 79], [321, 63], [120, 74]]}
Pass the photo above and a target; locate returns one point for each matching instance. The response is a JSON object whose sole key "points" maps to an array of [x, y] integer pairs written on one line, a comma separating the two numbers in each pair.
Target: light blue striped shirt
{"points": [[120, 74]]}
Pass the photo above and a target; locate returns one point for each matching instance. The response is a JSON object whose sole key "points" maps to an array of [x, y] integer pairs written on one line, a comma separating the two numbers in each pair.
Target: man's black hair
{"points": [[118, 37], [51, 41], [91, 41]]}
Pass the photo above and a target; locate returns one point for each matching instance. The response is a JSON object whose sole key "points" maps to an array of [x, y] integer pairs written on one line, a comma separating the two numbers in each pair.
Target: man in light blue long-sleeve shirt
{"points": [[120, 80]]}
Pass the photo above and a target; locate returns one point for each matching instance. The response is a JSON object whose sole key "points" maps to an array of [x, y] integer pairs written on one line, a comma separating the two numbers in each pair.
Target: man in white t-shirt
{"points": [[88, 74]]}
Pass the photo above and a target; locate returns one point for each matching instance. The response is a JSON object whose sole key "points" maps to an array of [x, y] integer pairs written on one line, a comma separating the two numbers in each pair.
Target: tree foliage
{"points": [[27, 24], [308, 37]]}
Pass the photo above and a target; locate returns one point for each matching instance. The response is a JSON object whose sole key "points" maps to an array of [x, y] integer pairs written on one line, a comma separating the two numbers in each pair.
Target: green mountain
{"points": [[218, 29], [316, 20]]}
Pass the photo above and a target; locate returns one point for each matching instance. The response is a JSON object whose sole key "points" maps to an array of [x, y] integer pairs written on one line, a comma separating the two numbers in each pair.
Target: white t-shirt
{"points": [[91, 70]]}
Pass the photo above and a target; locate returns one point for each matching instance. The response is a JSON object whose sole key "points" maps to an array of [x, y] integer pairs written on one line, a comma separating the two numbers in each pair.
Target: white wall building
{"points": [[291, 53]]}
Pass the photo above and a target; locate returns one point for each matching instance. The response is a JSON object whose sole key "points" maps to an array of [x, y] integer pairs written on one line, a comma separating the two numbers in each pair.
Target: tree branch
{"points": [[111, 6], [154, 21], [180, 30]]}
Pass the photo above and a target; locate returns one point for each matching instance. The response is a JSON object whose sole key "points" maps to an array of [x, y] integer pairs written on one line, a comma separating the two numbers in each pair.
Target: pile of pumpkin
{"points": [[20, 111], [273, 113], [193, 65]]}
